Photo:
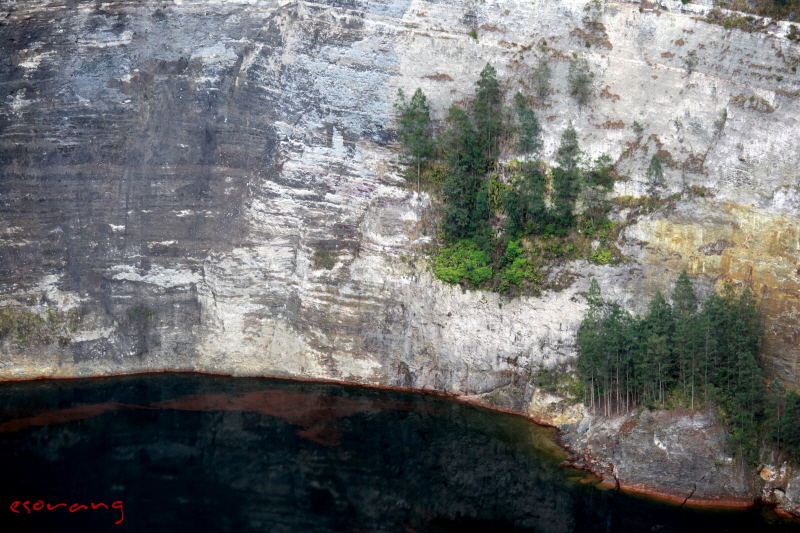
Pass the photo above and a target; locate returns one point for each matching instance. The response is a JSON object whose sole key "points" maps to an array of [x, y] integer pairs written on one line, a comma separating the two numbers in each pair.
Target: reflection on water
{"points": [[215, 454]]}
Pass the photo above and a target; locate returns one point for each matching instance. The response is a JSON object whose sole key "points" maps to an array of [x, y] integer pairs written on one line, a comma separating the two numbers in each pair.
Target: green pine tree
{"points": [[712, 321], [657, 330], [580, 79], [566, 178], [530, 132], [605, 343], [686, 341], [461, 142], [684, 300], [590, 343], [462, 213], [775, 404], [488, 114], [541, 79], [524, 201], [654, 177], [414, 129], [597, 183], [786, 431], [568, 156]]}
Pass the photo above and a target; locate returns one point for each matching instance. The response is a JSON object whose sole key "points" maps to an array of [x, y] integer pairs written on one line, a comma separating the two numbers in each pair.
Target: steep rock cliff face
{"points": [[212, 185]]}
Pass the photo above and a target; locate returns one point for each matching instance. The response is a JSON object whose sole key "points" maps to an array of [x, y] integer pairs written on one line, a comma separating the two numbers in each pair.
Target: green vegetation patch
{"points": [[731, 21], [563, 381], [601, 256], [141, 314], [775, 9], [518, 268], [463, 261], [323, 259], [645, 204], [504, 225], [26, 328]]}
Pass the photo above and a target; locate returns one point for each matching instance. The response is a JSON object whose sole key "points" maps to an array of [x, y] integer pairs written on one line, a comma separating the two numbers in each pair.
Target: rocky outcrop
{"points": [[212, 186], [679, 456], [791, 497], [675, 456]]}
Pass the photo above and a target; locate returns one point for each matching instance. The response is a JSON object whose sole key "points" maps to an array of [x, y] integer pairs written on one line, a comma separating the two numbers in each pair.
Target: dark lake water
{"points": [[196, 453]]}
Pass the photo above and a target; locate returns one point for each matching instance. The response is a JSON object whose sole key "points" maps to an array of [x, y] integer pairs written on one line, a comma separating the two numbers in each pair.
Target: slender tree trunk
{"points": [[627, 391], [660, 383], [617, 387], [705, 346], [683, 371]]}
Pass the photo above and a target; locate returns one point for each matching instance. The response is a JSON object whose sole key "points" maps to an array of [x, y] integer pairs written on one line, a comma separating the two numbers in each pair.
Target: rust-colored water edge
{"points": [[721, 502]]}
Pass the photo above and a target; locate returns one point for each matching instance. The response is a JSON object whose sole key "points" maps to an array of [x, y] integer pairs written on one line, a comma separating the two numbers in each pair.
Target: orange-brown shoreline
{"points": [[721, 502], [724, 502]]}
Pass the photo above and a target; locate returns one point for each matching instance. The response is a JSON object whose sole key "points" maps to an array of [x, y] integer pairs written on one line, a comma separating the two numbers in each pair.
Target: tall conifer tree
{"points": [[686, 341], [589, 341], [524, 201], [488, 114], [414, 129], [654, 176], [530, 132], [566, 177], [657, 330]]}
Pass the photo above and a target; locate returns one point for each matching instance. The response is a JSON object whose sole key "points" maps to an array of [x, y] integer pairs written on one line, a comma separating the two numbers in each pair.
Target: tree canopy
{"points": [[530, 132], [414, 129]]}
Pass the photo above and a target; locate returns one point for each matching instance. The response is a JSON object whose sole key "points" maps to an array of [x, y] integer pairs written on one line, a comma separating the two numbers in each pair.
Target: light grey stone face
{"points": [[793, 490], [171, 169]]}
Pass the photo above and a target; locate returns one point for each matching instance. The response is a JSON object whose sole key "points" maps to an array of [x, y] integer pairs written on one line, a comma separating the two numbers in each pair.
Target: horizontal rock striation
{"points": [[213, 186]]}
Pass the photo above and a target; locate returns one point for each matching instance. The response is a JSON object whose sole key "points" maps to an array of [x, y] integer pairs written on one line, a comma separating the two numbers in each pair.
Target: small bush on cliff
{"points": [[323, 259], [541, 79], [462, 261], [601, 256], [560, 380], [517, 267]]}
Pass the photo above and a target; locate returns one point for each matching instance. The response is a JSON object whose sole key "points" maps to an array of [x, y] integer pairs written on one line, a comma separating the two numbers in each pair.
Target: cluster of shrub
{"points": [[501, 224], [685, 355]]}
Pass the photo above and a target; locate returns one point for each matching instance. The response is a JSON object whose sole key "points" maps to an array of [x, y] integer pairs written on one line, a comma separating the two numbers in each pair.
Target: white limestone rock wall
{"points": [[268, 139]]}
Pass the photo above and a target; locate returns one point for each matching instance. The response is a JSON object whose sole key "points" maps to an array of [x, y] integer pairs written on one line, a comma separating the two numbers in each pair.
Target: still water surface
{"points": [[184, 452]]}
